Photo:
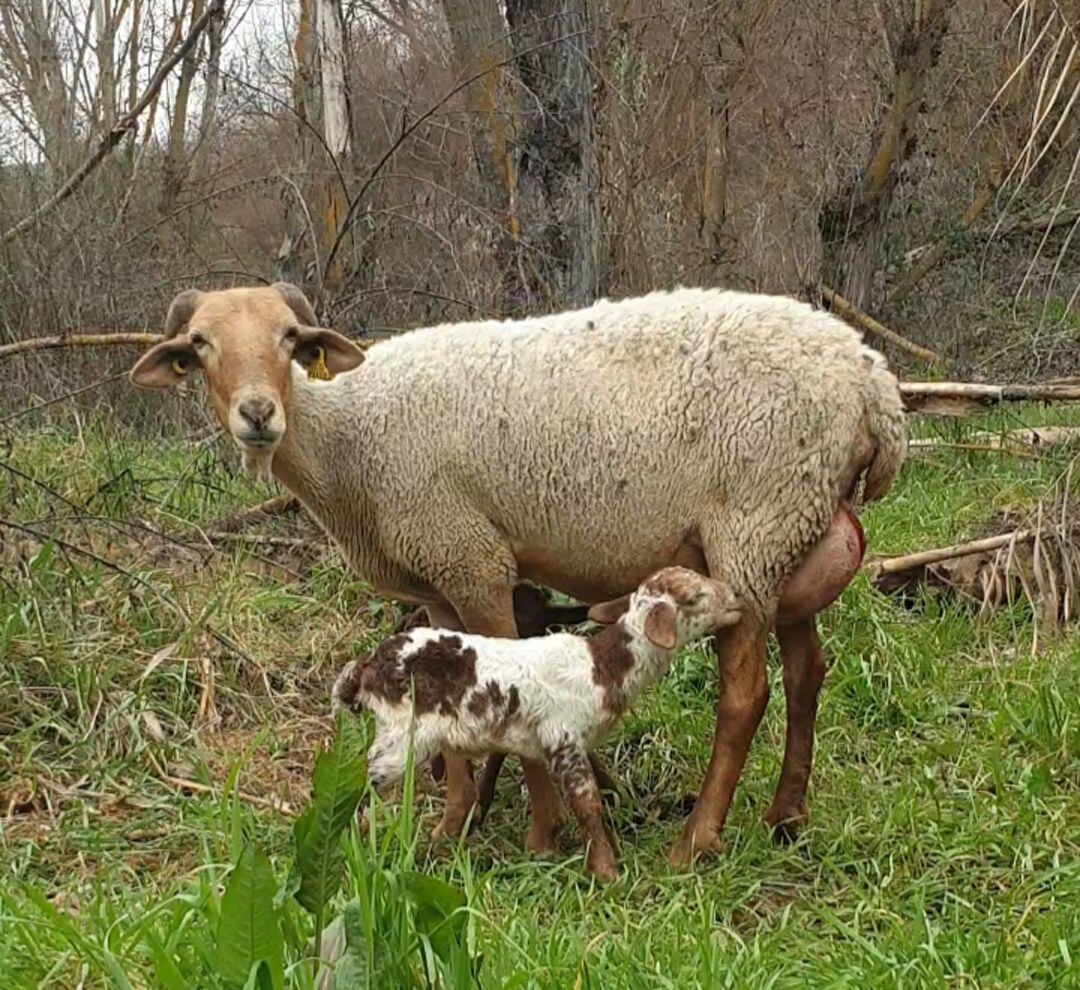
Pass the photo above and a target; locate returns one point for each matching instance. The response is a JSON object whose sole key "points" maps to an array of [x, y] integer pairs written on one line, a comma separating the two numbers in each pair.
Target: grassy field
{"points": [[943, 849]]}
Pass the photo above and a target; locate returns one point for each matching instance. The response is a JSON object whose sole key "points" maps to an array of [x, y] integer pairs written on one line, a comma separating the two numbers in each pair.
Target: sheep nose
{"points": [[256, 412]]}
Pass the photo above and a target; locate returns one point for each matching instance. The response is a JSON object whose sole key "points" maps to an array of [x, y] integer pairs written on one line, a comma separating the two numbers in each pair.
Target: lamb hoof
{"points": [[682, 854], [785, 824]]}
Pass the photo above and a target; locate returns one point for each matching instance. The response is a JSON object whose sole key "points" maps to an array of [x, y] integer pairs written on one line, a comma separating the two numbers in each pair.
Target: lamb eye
{"points": [[290, 335], [197, 339]]}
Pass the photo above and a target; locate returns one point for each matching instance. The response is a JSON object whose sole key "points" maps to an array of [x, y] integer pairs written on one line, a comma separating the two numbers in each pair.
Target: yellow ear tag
{"points": [[179, 367], [317, 369]]}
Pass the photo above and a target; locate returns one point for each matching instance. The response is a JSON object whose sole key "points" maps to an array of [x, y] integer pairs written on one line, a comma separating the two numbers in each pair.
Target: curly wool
{"points": [[584, 449]]}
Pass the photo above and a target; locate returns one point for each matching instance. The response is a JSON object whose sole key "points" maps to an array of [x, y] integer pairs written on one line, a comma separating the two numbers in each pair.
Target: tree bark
{"points": [[558, 166], [853, 223], [479, 40], [176, 160]]}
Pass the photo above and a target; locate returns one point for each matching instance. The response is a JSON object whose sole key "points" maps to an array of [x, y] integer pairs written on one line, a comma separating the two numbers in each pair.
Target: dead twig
{"points": [[850, 312], [195, 787]]}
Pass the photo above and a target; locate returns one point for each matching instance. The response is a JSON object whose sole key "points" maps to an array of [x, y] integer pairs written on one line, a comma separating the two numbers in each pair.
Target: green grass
{"points": [[944, 844]]}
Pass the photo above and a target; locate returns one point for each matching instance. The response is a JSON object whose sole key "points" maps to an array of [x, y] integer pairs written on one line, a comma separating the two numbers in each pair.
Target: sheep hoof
{"points": [[683, 853], [540, 840], [603, 868], [785, 824]]}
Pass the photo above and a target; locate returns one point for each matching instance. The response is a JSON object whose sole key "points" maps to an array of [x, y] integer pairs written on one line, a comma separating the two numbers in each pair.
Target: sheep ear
{"points": [[165, 364], [605, 613], [660, 625], [315, 346]]}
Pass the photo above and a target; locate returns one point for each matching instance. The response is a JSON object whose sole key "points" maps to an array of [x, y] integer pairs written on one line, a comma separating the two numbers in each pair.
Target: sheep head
{"points": [[244, 340]]}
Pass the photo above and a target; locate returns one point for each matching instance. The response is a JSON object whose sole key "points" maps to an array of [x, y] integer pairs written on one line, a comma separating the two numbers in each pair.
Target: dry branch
{"points": [[78, 340], [117, 132], [880, 566], [850, 312]]}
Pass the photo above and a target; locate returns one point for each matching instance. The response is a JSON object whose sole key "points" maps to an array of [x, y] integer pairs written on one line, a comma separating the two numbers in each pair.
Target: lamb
{"points": [[721, 431], [551, 698]]}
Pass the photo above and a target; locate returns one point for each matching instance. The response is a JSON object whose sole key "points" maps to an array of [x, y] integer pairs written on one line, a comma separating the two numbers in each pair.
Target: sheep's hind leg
{"points": [[804, 671], [744, 692], [570, 763]]}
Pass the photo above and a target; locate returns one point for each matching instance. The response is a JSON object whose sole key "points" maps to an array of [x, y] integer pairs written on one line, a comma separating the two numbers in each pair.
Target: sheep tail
{"points": [[885, 423]]}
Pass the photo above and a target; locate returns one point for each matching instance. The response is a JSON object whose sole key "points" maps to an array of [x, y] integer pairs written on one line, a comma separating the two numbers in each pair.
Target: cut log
{"points": [[964, 398]]}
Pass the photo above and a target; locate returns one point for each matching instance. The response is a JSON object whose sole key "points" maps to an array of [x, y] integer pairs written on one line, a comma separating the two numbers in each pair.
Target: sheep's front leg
{"points": [[492, 614], [804, 672], [570, 763], [744, 691]]}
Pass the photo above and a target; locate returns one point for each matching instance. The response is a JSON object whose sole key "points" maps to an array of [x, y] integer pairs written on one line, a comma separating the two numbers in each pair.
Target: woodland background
{"points": [[410, 162]]}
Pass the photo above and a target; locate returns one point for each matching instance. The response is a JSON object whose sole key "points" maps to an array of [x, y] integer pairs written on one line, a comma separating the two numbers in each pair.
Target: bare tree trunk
{"points": [[28, 44], [215, 30], [853, 222], [176, 159], [336, 120], [558, 167], [479, 40]]}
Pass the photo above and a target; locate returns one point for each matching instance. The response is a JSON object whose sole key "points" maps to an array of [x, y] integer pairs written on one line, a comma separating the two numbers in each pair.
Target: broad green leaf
{"points": [[439, 910], [351, 971], [248, 930], [336, 789]]}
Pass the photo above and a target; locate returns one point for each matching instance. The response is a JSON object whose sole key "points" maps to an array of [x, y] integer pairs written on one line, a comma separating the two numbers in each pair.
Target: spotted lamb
{"points": [[552, 698]]}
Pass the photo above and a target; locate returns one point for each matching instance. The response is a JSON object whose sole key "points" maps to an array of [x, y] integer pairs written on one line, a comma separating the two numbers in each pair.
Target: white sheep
{"points": [[721, 431], [551, 698]]}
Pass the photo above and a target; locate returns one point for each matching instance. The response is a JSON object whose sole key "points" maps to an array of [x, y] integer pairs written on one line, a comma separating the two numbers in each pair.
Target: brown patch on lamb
{"points": [[612, 661], [439, 673]]}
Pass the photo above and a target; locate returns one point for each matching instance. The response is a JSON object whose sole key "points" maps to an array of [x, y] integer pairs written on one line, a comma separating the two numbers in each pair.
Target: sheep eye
{"points": [[197, 339], [290, 335]]}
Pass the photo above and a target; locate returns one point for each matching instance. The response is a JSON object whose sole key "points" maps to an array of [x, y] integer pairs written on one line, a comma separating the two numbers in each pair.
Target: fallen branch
{"points": [[1021, 442], [119, 129], [978, 448], [880, 566], [78, 340], [962, 398], [850, 312]]}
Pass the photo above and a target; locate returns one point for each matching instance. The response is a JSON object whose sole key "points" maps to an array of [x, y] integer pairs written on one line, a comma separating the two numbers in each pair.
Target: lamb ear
{"points": [[338, 353], [605, 613], [660, 626]]}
